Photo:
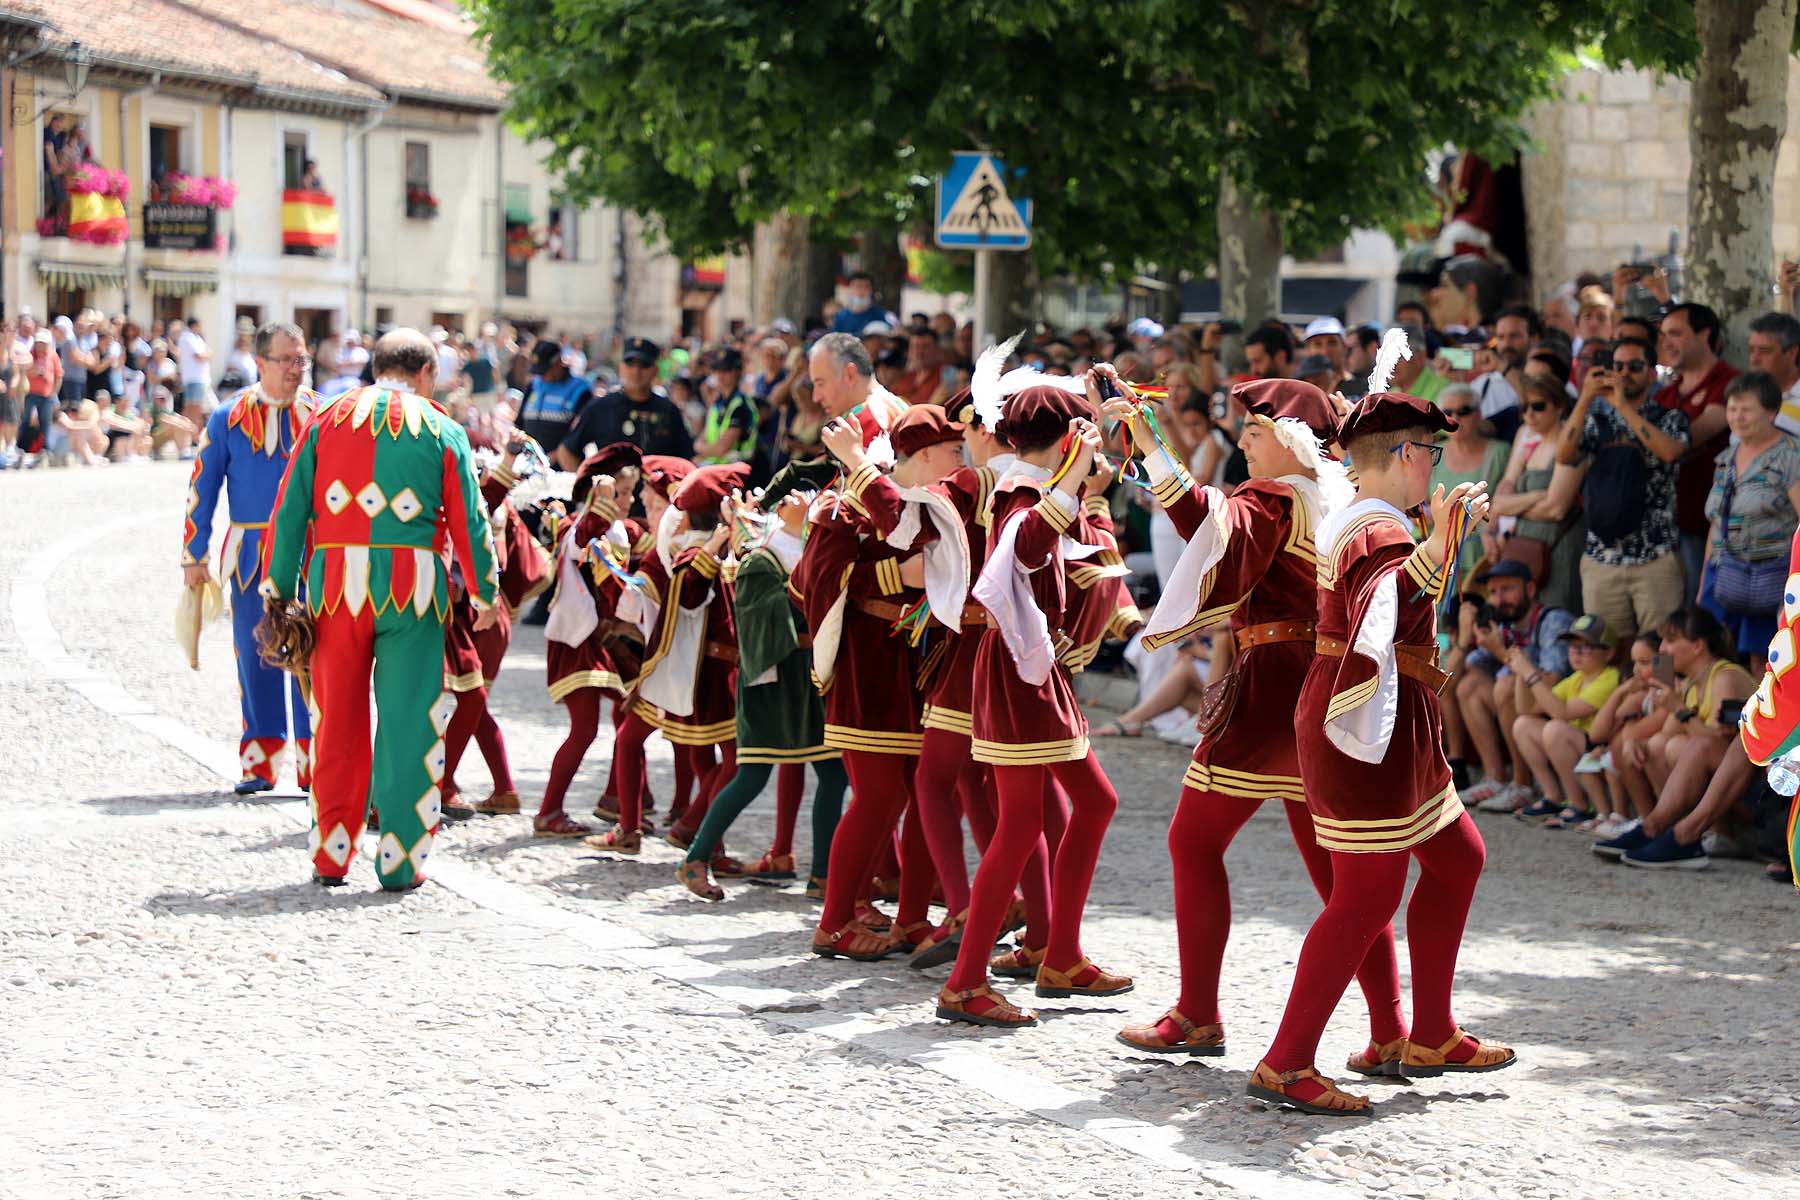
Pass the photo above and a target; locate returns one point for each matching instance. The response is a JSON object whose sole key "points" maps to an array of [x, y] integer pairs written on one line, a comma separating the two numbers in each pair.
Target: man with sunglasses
{"points": [[1629, 449]]}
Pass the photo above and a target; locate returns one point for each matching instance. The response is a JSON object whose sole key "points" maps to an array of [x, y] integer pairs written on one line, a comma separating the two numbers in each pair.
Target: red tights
{"points": [[952, 785], [790, 788], [628, 758], [584, 722], [1365, 894], [473, 720], [881, 788], [1204, 825], [1021, 792]]}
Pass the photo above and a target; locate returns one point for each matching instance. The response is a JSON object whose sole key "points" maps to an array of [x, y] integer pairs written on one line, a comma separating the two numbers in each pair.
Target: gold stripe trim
{"points": [[569, 684], [1370, 837], [948, 720], [472, 682], [764, 754], [841, 737], [1351, 697], [1054, 514], [1025, 754]]}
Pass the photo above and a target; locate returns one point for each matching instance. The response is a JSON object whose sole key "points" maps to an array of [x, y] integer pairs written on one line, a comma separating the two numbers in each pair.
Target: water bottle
{"points": [[1784, 773]]}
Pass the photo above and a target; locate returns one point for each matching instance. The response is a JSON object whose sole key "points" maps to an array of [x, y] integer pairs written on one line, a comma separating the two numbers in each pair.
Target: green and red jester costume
{"points": [[380, 486]]}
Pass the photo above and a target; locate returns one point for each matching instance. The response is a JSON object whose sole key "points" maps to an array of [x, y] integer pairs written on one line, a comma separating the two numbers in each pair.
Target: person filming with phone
{"points": [[1629, 450]]}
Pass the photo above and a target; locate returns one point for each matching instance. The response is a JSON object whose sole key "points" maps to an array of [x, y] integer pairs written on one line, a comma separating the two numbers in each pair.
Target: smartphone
{"points": [[1731, 712], [1458, 358], [947, 376], [1662, 669], [1643, 269], [1229, 327]]}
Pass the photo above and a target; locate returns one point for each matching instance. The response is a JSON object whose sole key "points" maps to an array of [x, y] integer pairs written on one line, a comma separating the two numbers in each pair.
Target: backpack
{"points": [[1613, 493]]}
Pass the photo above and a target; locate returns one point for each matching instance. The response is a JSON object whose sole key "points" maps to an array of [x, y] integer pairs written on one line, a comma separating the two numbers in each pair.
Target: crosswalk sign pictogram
{"points": [[975, 209]]}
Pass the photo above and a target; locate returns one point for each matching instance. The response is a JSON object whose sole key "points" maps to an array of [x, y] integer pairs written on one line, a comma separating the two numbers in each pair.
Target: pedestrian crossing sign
{"points": [[976, 210]]}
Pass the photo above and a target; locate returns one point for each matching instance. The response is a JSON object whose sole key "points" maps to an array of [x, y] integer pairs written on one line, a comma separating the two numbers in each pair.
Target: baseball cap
{"points": [[891, 356], [1506, 568], [782, 325], [641, 351], [1144, 327], [877, 329], [1322, 327], [728, 359], [1313, 364], [1591, 629]]}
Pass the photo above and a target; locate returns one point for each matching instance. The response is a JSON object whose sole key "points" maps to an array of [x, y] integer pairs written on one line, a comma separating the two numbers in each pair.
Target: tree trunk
{"points": [[882, 258], [779, 269], [1739, 116], [1011, 291], [1250, 246]]}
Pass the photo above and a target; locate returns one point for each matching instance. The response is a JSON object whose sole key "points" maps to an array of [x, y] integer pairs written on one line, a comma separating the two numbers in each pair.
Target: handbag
{"points": [[1217, 699], [1744, 588]]}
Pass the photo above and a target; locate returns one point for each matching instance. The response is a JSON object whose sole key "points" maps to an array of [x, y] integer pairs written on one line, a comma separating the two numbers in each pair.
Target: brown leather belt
{"points": [[1274, 632], [722, 652], [1415, 662], [975, 614], [881, 610]]}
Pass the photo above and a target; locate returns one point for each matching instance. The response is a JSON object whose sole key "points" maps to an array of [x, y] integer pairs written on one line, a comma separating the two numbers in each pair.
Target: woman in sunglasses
{"points": [[1544, 512], [1468, 455]]}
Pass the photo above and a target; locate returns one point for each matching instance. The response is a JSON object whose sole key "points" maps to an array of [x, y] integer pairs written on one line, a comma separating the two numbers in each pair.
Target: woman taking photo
{"points": [[1469, 456], [1546, 514], [1752, 510]]}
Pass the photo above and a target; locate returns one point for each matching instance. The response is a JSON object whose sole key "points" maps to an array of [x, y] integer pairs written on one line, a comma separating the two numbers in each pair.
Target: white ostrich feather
{"points": [[1020, 378], [1394, 347], [984, 384], [880, 451]]}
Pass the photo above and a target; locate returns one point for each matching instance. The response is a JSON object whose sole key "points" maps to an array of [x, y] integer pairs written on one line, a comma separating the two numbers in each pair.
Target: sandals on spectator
{"points": [[853, 942], [1082, 979], [1382, 1060], [1202, 1041], [617, 841], [1537, 810], [1118, 728], [557, 825], [1021, 962], [1422, 1062], [983, 1006], [1778, 872], [1306, 1090], [1569, 818], [770, 868], [500, 803], [693, 877]]}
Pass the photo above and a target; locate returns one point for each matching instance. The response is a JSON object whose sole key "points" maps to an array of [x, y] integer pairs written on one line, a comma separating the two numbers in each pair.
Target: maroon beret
{"points": [[961, 407], [1037, 416], [922, 426], [703, 489], [1391, 412], [609, 460], [664, 473], [1296, 398]]}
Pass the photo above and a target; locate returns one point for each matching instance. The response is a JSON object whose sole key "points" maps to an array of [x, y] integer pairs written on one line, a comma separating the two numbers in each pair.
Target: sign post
{"points": [[976, 211]]}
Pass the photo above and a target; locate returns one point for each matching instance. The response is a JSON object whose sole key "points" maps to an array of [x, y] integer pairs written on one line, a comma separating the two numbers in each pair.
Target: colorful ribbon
{"points": [[633, 583]]}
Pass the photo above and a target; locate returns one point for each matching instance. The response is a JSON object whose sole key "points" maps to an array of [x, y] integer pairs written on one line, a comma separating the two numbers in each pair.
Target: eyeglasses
{"points": [[1537, 406], [1630, 364], [1434, 449], [1463, 411], [290, 360]]}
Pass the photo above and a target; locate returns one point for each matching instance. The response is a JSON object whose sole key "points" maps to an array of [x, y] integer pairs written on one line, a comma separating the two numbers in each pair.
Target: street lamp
{"points": [[75, 68]]}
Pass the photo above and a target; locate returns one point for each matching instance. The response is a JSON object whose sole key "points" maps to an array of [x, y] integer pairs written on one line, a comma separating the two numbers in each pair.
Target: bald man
{"points": [[380, 478]]}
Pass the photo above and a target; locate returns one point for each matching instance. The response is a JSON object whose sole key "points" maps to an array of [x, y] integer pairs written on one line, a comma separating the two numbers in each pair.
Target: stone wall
{"points": [[1609, 173]]}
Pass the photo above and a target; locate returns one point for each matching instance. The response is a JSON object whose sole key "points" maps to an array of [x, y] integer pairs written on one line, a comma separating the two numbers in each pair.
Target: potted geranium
{"points": [[421, 204]]}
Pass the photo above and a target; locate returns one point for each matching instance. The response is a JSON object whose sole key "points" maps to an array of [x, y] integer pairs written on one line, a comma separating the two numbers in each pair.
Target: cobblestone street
{"points": [[185, 1015]]}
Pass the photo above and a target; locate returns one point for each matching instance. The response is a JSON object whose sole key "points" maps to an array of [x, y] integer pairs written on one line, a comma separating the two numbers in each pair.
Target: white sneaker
{"points": [[1479, 794], [1507, 799], [1591, 763]]}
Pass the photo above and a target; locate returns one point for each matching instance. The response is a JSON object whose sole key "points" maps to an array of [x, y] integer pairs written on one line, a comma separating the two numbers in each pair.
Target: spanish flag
{"points": [[308, 219], [98, 219]]}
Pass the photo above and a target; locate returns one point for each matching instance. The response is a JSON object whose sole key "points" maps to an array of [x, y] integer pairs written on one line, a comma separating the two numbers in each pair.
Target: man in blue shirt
{"points": [[557, 397], [859, 307]]}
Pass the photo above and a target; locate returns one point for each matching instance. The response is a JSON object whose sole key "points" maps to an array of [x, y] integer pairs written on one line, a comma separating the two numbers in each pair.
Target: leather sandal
{"points": [[941, 947], [607, 809], [998, 1012], [815, 887], [1013, 921], [1021, 962], [1082, 979], [853, 942], [726, 867], [678, 837], [1422, 1062], [1382, 1060], [558, 825], [884, 889], [500, 803], [1272, 1088], [454, 807], [693, 877], [771, 867], [872, 918], [913, 935], [617, 841], [1202, 1041]]}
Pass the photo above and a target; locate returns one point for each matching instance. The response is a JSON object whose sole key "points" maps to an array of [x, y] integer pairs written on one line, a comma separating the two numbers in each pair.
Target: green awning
{"points": [[179, 283], [70, 276]]}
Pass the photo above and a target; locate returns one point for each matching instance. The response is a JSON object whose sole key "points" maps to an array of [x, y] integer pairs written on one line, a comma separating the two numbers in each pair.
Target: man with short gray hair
{"points": [[1775, 348], [244, 448], [844, 385]]}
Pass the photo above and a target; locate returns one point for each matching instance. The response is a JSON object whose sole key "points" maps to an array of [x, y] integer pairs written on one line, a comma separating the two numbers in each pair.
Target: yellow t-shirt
{"points": [[1700, 700], [1591, 691]]}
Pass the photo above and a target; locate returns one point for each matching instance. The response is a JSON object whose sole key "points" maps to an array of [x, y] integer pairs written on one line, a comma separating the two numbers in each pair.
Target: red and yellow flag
{"points": [[308, 219]]}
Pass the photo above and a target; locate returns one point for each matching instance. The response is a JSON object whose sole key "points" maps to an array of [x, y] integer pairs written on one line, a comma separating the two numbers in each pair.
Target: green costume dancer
{"points": [[380, 485], [780, 718]]}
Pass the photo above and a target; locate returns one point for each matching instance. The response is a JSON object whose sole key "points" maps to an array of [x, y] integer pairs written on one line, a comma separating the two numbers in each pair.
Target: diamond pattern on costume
{"points": [[251, 756], [313, 842], [434, 761], [406, 506], [430, 807], [337, 497], [420, 852], [337, 845], [389, 854], [371, 499], [441, 709]]}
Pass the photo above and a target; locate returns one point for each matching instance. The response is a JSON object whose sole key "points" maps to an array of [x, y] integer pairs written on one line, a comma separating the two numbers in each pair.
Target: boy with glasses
{"points": [[1629, 449]]}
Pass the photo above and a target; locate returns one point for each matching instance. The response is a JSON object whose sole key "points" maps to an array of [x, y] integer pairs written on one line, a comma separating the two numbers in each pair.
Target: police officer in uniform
{"points": [[557, 398], [638, 412]]}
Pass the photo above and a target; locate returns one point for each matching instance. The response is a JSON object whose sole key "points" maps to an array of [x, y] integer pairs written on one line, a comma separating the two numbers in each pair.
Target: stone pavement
{"points": [[184, 1014]]}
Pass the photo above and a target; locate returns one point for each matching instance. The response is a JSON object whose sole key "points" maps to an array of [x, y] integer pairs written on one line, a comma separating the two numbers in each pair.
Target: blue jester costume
{"points": [[244, 449]]}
